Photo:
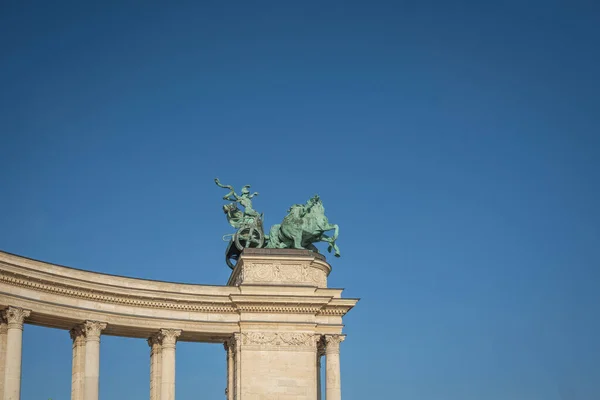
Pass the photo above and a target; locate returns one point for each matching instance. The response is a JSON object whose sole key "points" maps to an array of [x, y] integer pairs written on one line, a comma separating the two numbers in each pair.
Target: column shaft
{"points": [[320, 354], [14, 341], [78, 365], [333, 388], [319, 390], [229, 348], [237, 366], [155, 343], [167, 384], [3, 334], [92, 358]]}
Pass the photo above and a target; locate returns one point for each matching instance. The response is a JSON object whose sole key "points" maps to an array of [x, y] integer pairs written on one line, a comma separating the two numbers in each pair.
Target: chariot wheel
{"points": [[249, 237]]}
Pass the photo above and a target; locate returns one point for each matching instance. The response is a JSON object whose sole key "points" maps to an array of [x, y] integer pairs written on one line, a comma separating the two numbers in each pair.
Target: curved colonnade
{"points": [[275, 317]]}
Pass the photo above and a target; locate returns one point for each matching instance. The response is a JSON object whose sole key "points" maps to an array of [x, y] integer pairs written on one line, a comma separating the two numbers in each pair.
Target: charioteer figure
{"points": [[304, 225]]}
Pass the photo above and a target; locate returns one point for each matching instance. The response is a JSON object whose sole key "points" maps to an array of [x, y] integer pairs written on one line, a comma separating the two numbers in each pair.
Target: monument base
{"points": [[285, 267], [285, 314]]}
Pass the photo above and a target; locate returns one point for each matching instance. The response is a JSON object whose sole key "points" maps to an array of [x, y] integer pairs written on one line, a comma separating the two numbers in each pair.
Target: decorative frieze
{"points": [[278, 339], [280, 273], [113, 298]]}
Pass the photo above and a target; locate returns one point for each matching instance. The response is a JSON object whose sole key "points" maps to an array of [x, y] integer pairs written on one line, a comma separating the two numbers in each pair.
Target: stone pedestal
{"points": [[280, 267], [276, 348]]}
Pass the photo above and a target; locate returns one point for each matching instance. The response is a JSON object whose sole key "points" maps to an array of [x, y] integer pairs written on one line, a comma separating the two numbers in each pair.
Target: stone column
{"points": [[92, 358], [14, 341], [229, 348], [167, 384], [155, 343], [320, 353], [332, 373], [3, 334], [237, 366], [78, 367]]}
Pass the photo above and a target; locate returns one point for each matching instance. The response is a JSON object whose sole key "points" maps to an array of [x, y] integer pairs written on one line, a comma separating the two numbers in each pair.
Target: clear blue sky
{"points": [[456, 143]]}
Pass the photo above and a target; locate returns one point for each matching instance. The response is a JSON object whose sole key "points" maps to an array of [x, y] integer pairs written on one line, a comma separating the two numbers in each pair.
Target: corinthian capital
{"points": [[229, 344], [3, 324], [77, 333], [332, 343], [93, 329], [320, 342], [169, 336], [155, 340], [15, 316]]}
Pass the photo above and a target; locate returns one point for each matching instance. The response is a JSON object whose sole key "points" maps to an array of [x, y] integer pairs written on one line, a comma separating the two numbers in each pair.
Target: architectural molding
{"points": [[275, 323], [108, 297], [93, 329], [77, 332], [278, 339], [332, 343], [15, 317], [169, 337]]}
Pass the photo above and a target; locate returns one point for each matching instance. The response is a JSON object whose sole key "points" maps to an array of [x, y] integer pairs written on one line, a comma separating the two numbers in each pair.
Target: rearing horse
{"points": [[303, 226]]}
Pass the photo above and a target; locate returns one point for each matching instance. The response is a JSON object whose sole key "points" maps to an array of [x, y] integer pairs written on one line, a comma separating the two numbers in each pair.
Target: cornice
{"points": [[63, 298], [105, 296]]}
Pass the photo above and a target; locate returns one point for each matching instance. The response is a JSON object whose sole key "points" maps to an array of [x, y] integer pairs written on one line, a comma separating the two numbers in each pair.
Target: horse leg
{"points": [[298, 241], [332, 245], [273, 238]]}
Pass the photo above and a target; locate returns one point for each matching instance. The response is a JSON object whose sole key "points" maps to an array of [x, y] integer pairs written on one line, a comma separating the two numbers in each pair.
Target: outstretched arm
{"points": [[231, 193]]}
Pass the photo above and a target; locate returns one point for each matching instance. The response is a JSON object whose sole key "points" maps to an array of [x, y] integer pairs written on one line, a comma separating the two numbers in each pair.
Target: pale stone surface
{"points": [[155, 343], [167, 384], [15, 317], [78, 366], [280, 267], [278, 366], [332, 372], [92, 358], [320, 354], [272, 318], [137, 308], [229, 348], [3, 337]]}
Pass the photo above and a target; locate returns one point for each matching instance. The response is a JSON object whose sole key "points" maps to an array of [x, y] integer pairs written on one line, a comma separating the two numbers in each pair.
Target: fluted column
{"points": [[3, 334], [155, 343], [78, 366], [332, 373], [93, 329], [14, 317], [320, 353], [229, 348], [167, 384]]}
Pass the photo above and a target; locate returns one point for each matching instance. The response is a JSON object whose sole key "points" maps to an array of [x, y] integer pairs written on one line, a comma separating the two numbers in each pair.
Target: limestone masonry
{"points": [[276, 318]]}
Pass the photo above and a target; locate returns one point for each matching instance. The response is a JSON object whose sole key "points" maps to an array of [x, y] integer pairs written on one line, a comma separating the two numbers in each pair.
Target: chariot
{"points": [[249, 234]]}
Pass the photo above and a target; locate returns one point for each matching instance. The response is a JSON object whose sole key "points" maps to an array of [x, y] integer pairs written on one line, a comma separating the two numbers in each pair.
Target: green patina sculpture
{"points": [[236, 217], [304, 225]]}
